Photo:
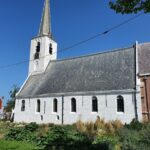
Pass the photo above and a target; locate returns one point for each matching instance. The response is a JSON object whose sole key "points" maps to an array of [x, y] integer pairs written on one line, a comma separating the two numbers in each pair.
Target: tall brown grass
{"points": [[99, 127]]}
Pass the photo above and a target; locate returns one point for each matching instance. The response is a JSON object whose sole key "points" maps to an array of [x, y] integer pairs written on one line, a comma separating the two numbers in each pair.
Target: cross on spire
{"points": [[45, 25]]}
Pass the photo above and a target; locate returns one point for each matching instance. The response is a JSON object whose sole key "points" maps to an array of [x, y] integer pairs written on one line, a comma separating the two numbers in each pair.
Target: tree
{"points": [[130, 6], [11, 102]]}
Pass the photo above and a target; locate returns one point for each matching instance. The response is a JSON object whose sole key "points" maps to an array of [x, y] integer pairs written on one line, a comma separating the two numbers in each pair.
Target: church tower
{"points": [[43, 47]]}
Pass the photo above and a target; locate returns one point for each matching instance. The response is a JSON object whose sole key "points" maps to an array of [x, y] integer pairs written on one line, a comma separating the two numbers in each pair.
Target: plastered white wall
{"points": [[107, 109]]}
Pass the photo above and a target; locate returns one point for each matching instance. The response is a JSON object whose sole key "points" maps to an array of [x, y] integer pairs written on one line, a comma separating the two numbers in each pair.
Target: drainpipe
{"points": [[135, 104], [146, 97], [62, 110], [135, 78]]}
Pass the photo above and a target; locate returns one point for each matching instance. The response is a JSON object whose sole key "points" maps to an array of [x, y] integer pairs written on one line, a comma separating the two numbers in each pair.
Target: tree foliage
{"points": [[11, 102], [130, 6]]}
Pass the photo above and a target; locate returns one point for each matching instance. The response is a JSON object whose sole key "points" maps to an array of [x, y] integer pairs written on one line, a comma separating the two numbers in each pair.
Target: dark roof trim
{"points": [[126, 91]]}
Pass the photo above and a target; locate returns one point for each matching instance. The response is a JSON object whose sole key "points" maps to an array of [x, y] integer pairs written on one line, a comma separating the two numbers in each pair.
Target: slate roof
{"points": [[113, 70], [144, 58]]}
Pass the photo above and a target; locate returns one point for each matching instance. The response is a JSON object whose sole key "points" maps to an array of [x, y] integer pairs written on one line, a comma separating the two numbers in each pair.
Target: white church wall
{"points": [[46, 114], [107, 109]]}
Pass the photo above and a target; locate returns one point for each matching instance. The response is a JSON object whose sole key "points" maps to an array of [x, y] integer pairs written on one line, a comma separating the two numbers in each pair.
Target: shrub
{"points": [[31, 127], [135, 125], [133, 139], [64, 137], [128, 138], [106, 142], [23, 133]]}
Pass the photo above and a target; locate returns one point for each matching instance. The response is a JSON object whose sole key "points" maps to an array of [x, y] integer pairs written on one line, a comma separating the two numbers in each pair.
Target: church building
{"points": [[111, 85]]}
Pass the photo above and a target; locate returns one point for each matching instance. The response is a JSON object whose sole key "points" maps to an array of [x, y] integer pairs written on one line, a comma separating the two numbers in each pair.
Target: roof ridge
{"points": [[93, 54]]}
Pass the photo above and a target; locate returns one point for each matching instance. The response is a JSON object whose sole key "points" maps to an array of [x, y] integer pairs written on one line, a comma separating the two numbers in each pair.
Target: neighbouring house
{"points": [[1, 108], [112, 85], [144, 76]]}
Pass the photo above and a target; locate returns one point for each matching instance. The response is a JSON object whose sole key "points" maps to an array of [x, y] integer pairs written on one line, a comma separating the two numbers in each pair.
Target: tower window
{"points": [[55, 105], [37, 53], [38, 47], [36, 56], [120, 104], [73, 105], [38, 109], [50, 49], [94, 104], [23, 105]]}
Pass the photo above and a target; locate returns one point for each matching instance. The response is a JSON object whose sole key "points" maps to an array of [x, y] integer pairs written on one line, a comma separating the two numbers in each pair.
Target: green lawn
{"points": [[14, 145]]}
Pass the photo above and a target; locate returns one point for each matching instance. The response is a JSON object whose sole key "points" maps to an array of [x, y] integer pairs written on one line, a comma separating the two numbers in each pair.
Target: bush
{"points": [[25, 133], [128, 139], [65, 137], [31, 127], [134, 125], [106, 142], [133, 139]]}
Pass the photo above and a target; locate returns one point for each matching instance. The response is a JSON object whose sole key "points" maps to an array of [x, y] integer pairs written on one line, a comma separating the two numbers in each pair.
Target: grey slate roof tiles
{"points": [[144, 58], [113, 70]]}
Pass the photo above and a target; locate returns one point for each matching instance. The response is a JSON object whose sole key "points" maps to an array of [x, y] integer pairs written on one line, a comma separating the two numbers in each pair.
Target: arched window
{"points": [[50, 49], [55, 105], [73, 105], [23, 105], [94, 104], [38, 109], [120, 104]]}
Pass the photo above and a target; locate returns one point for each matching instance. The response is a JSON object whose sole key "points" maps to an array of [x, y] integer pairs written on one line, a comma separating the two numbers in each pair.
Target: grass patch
{"points": [[13, 145], [4, 128]]}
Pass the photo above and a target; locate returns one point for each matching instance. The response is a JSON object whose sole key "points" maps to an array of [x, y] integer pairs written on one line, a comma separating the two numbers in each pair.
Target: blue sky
{"points": [[72, 21]]}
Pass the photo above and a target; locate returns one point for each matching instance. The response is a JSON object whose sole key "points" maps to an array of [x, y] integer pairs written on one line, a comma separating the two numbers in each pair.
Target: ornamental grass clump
{"points": [[80, 126], [117, 124], [100, 123], [99, 127]]}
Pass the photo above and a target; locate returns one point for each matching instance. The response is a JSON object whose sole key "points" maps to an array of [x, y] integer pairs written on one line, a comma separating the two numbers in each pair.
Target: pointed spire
{"points": [[45, 28]]}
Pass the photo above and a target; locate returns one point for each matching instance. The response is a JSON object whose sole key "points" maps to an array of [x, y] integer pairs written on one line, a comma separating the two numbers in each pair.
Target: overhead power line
{"points": [[81, 42]]}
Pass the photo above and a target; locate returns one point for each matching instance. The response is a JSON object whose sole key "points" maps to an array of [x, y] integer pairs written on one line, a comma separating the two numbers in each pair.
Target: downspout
{"points": [[62, 113], [146, 97], [135, 104], [135, 78]]}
